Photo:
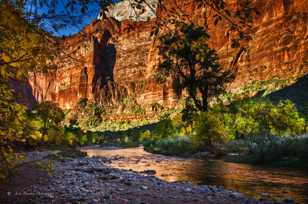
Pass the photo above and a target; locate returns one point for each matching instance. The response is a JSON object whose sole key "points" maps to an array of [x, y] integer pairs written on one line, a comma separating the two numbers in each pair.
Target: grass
{"points": [[274, 151]]}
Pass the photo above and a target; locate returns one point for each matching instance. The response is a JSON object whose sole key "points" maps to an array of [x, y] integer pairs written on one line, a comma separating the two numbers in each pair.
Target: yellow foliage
{"points": [[23, 46], [36, 135]]}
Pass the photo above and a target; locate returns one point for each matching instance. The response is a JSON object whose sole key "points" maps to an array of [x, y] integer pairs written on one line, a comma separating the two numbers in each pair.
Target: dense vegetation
{"points": [[246, 120], [20, 52], [258, 129], [43, 126]]}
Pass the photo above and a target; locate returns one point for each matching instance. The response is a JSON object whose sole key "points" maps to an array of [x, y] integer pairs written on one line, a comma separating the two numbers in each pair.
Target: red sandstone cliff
{"points": [[109, 61]]}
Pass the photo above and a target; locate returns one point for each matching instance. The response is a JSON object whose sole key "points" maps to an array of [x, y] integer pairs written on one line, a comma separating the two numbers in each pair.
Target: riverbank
{"points": [[256, 181], [94, 180]]}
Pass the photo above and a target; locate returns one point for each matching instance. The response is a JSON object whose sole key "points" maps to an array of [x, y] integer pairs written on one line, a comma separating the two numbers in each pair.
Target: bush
{"points": [[273, 149], [51, 117], [170, 136], [86, 115], [251, 120], [76, 136], [22, 128], [70, 138], [164, 129], [210, 130], [179, 145], [145, 136], [262, 117]]}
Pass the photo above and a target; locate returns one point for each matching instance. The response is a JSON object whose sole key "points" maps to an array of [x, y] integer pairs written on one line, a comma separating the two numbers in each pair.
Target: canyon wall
{"points": [[110, 62]]}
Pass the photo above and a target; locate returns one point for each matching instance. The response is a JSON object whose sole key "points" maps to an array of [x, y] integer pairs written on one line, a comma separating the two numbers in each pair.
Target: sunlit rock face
{"points": [[77, 66], [130, 10], [279, 44], [109, 60]]}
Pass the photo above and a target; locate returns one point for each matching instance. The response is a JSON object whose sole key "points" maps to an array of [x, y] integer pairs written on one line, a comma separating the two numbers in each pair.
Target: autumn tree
{"points": [[50, 114], [23, 48]]}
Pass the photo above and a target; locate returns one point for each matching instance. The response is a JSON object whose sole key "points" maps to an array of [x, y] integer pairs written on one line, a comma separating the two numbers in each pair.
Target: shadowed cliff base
{"points": [[23, 92], [297, 93]]}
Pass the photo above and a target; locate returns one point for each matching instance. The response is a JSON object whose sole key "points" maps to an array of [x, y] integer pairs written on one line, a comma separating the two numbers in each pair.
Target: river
{"points": [[256, 181]]}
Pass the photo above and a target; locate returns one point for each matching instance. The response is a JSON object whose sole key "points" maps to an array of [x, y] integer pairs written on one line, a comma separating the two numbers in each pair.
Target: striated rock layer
{"points": [[109, 61]]}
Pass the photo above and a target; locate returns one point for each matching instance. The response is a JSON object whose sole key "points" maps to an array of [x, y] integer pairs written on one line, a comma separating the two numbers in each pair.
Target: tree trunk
{"points": [[204, 93]]}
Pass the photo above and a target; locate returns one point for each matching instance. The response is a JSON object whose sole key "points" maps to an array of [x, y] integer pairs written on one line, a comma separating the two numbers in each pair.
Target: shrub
{"points": [[20, 127], [210, 130], [157, 107], [54, 135], [262, 117], [76, 136], [273, 149], [13, 130], [145, 136], [52, 121], [86, 115], [138, 110], [178, 145], [285, 120], [70, 138], [164, 129], [49, 113], [170, 136]]}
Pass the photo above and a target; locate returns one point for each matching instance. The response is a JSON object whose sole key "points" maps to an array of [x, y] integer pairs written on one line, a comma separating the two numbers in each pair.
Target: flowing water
{"points": [[256, 181]]}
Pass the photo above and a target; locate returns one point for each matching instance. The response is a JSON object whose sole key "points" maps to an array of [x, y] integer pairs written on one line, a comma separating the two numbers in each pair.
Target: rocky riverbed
{"points": [[93, 180]]}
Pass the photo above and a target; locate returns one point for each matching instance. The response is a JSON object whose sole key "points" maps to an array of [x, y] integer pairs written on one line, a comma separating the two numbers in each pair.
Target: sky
{"points": [[62, 17]]}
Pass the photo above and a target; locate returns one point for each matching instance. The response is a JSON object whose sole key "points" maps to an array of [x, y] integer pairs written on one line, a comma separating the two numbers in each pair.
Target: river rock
{"points": [[148, 172], [201, 155], [107, 177], [144, 187]]}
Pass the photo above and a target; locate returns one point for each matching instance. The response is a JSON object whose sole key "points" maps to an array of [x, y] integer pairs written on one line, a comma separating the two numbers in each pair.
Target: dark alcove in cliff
{"points": [[105, 90]]}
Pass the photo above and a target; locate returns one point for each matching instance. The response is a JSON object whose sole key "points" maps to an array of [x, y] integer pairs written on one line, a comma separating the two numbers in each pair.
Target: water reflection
{"points": [[251, 180]]}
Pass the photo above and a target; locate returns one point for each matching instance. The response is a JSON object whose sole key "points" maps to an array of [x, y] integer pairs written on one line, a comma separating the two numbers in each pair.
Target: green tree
{"points": [[192, 64], [22, 49], [12, 128], [50, 114], [87, 114], [52, 118], [262, 117], [23, 46], [210, 130]]}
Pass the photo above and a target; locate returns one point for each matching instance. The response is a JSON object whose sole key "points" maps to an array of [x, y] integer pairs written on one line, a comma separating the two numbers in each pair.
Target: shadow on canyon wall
{"points": [[104, 87], [23, 92], [297, 93]]}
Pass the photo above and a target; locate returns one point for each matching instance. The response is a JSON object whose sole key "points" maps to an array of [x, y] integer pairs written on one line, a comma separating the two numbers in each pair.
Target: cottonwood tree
{"points": [[192, 64], [50, 114], [186, 54]]}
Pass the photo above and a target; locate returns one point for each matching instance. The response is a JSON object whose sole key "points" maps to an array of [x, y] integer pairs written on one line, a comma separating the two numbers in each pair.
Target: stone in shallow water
{"points": [[144, 188], [188, 189], [149, 172]]}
